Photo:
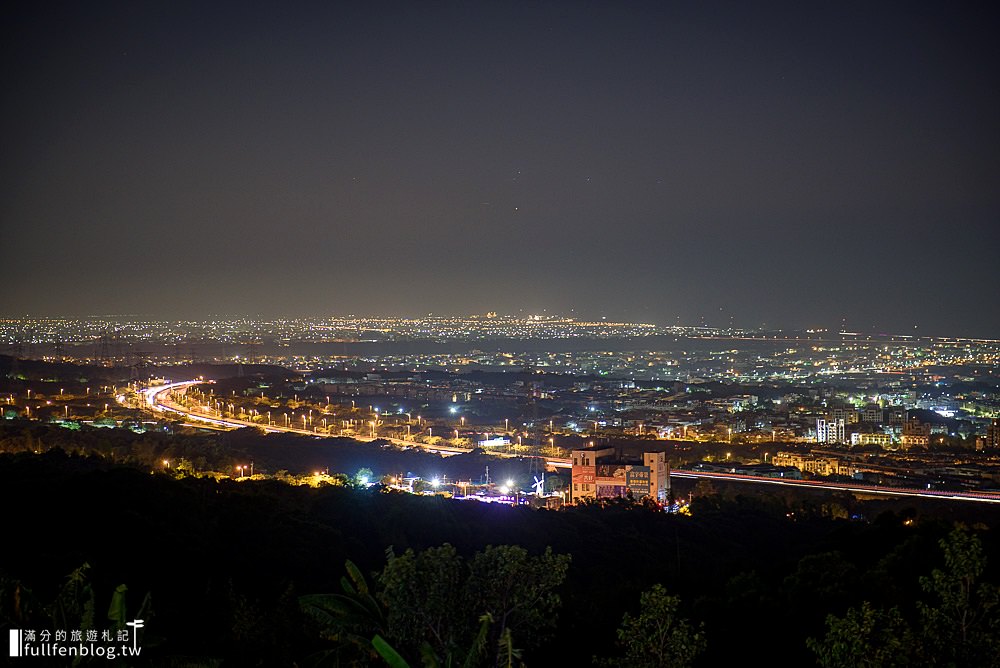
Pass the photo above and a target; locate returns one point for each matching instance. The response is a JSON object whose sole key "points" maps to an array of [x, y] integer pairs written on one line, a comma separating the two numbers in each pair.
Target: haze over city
{"points": [[787, 164]]}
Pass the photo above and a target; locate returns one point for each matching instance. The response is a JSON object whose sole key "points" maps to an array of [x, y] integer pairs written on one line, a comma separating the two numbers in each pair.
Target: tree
{"points": [[517, 590], [657, 637], [961, 629], [422, 593], [865, 637], [350, 619], [449, 611]]}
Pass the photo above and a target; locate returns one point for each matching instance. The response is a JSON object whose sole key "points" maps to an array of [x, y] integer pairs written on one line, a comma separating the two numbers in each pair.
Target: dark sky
{"points": [[795, 164]]}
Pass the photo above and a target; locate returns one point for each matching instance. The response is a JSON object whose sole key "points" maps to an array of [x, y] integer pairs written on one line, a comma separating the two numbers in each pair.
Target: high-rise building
{"points": [[830, 431], [992, 434]]}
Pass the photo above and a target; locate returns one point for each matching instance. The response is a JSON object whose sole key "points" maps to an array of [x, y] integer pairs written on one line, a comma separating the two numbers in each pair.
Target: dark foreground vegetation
{"points": [[256, 572]]}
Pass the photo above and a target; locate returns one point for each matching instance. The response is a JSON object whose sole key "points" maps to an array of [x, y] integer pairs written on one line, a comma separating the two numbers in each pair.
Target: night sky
{"points": [[795, 164]]}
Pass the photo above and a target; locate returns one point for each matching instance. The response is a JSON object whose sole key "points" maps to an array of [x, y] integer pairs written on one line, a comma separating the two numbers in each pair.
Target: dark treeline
{"points": [[225, 562]]}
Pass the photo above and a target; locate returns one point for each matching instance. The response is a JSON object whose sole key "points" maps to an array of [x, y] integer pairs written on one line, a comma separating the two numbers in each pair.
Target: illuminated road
{"points": [[157, 399], [982, 497]]}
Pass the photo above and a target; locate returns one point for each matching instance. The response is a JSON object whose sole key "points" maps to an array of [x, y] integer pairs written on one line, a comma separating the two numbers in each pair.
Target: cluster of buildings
{"points": [[923, 415]]}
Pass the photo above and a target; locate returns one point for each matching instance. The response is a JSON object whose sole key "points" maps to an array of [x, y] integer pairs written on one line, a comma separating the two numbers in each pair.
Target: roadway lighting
{"points": [[506, 426], [463, 420]]}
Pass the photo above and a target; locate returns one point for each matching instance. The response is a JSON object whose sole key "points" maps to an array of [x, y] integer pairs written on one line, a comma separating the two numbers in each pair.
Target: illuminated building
{"points": [[915, 432], [830, 431], [602, 473]]}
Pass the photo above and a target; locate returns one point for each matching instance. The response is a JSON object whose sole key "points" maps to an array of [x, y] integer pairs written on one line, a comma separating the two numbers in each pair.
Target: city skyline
{"points": [[779, 166]]}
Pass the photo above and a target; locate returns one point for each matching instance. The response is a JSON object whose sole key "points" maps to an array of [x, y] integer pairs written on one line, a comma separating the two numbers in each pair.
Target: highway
{"points": [[157, 399], [982, 497]]}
